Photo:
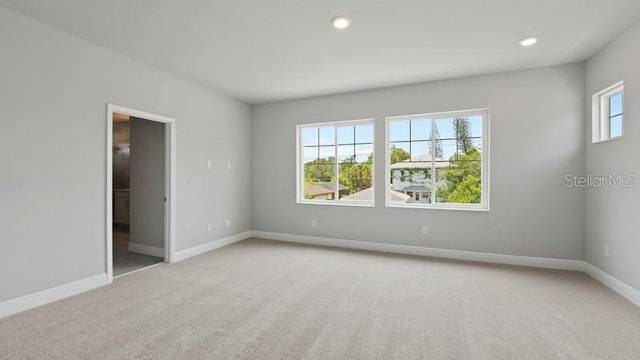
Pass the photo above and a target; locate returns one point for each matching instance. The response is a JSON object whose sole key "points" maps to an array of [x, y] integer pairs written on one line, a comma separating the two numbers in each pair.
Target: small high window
{"points": [[608, 113]]}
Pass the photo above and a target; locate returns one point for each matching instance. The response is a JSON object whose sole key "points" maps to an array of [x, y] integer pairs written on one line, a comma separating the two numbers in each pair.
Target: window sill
{"points": [[334, 203], [607, 140], [478, 208]]}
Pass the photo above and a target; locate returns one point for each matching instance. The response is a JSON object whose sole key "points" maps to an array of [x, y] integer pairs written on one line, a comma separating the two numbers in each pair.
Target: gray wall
{"points": [[612, 212], [53, 94], [147, 171], [536, 139]]}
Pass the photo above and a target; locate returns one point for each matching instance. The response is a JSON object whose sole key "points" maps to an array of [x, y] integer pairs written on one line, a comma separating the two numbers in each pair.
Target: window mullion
{"points": [[318, 157], [606, 119], [354, 144], [300, 164], [335, 151], [410, 143], [433, 163]]}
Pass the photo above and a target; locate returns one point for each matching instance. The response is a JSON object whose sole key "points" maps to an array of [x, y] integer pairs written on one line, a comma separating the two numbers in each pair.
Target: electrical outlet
{"points": [[425, 230], [209, 164], [209, 227], [227, 223], [606, 250], [229, 165], [314, 223]]}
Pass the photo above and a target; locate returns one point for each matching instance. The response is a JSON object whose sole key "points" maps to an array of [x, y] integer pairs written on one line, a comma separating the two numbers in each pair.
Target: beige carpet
{"points": [[265, 300]]}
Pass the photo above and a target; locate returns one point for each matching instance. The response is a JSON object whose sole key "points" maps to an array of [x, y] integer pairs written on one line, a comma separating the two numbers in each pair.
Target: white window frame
{"points": [[300, 166], [601, 130], [484, 181]]}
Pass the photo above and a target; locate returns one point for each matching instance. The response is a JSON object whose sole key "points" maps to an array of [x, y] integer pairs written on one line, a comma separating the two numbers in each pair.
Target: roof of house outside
{"points": [[363, 195], [311, 189], [420, 162], [398, 196], [416, 187], [330, 186], [367, 194]]}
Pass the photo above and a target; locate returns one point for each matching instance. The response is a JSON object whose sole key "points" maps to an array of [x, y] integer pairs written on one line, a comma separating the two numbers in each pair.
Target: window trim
{"points": [[601, 130], [300, 166], [485, 163]]}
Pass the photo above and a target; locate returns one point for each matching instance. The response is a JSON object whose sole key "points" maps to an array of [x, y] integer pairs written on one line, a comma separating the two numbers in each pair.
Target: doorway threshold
{"points": [[137, 270]]}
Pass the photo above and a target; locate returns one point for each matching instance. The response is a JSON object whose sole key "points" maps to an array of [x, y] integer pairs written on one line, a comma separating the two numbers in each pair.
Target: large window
{"points": [[438, 160], [335, 163], [608, 113]]}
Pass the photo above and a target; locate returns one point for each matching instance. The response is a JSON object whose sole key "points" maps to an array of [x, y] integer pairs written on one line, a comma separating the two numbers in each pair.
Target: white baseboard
{"points": [[548, 263], [212, 245], [613, 283], [146, 250], [40, 298], [609, 281], [43, 297]]}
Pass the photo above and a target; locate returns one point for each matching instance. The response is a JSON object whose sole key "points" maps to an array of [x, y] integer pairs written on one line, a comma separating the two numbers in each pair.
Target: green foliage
{"points": [[397, 155], [320, 170], [467, 191], [355, 177], [462, 127], [462, 179], [436, 136]]}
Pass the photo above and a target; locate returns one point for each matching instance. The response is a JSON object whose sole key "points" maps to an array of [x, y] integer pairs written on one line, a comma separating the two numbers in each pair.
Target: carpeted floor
{"points": [[262, 300]]}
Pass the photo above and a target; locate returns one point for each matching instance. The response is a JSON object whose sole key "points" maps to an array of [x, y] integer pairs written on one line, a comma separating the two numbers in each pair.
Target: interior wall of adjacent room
{"points": [[147, 179], [54, 90], [612, 212], [536, 139]]}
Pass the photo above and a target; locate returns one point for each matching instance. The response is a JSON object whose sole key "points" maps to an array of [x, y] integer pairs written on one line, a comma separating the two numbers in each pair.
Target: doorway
{"points": [[140, 180]]}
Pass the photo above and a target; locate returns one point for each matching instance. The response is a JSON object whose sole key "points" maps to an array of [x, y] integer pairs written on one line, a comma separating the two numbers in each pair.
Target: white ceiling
{"points": [[267, 50]]}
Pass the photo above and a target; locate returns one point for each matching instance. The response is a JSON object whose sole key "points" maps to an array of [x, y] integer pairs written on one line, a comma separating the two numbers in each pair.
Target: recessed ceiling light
{"points": [[340, 22], [529, 41]]}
